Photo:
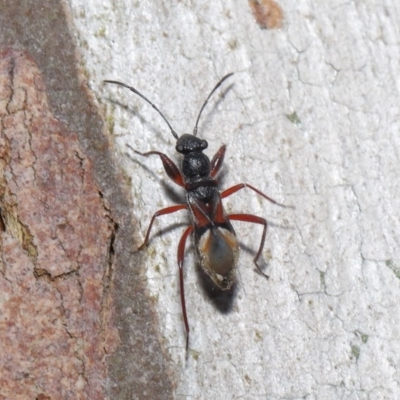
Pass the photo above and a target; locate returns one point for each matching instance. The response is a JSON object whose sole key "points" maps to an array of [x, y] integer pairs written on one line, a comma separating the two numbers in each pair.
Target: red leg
{"points": [[217, 161], [164, 211], [169, 166], [240, 186], [181, 254], [256, 220]]}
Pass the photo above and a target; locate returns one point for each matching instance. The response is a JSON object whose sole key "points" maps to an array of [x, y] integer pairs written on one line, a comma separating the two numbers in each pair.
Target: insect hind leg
{"points": [[255, 220], [181, 257]]}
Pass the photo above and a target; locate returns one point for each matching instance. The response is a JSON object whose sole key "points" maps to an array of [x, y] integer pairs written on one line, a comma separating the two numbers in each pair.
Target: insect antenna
{"points": [[208, 98], [153, 105]]}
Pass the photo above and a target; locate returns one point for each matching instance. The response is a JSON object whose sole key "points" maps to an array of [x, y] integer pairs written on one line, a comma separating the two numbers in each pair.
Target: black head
{"points": [[189, 143]]}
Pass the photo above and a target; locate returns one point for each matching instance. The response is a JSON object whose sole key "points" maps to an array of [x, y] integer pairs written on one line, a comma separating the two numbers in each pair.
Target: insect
{"points": [[214, 237]]}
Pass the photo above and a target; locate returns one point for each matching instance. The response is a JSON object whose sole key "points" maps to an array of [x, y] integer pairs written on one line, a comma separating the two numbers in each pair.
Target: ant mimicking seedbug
{"points": [[214, 237]]}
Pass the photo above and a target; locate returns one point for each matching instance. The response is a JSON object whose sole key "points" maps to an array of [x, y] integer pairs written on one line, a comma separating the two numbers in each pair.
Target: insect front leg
{"points": [[164, 211], [181, 257], [169, 166], [255, 220], [217, 160]]}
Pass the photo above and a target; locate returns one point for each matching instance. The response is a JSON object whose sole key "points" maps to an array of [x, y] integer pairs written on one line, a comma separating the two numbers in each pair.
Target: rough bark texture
{"points": [[55, 248], [68, 275]]}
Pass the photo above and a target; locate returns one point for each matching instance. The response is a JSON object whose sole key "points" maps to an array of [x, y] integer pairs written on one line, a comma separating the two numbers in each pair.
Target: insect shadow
{"points": [[222, 300]]}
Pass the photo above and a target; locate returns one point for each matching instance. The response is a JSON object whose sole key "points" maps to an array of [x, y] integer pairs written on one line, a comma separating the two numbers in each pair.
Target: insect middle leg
{"points": [[240, 186], [164, 211], [256, 220]]}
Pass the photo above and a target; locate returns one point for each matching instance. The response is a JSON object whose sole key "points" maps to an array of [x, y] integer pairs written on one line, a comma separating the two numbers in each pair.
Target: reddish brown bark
{"points": [[55, 249]]}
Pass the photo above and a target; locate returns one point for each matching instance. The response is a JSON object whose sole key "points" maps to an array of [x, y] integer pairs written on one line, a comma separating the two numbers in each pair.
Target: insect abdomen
{"points": [[218, 252]]}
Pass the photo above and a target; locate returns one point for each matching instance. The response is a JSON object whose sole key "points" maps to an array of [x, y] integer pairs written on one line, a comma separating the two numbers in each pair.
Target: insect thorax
{"points": [[195, 165]]}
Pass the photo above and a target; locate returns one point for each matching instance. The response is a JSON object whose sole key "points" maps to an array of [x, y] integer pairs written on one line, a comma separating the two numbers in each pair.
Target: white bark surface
{"points": [[327, 323]]}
